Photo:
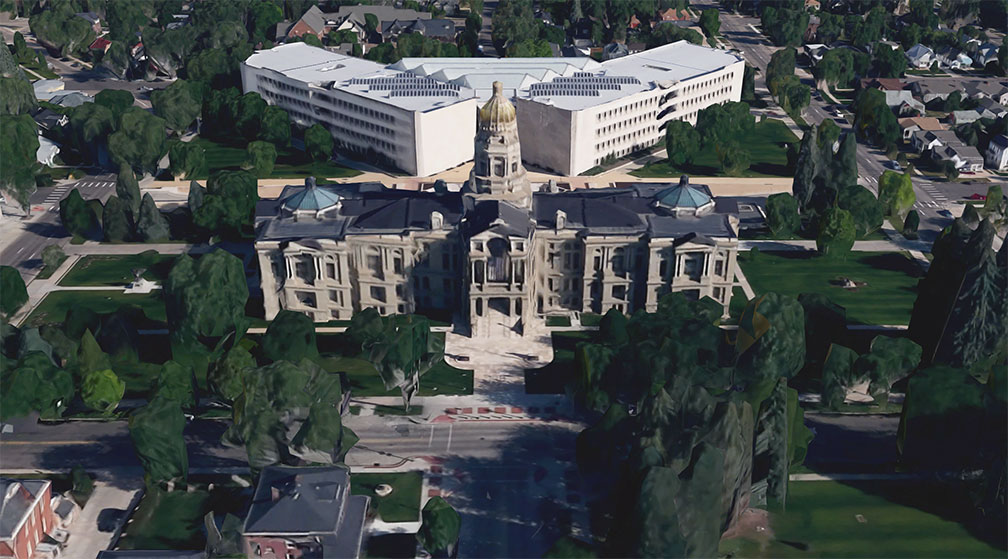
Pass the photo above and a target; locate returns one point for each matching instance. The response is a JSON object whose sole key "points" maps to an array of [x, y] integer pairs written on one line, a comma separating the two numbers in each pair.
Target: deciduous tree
{"points": [[275, 127], [782, 214], [186, 159], [836, 233], [140, 140], [179, 104], [439, 528], [229, 203], [318, 143], [76, 217], [896, 193], [156, 430], [102, 390], [681, 143], [116, 221], [260, 158], [128, 190], [13, 294]]}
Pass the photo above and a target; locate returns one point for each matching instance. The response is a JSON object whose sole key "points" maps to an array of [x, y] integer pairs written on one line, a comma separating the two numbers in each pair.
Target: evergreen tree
{"points": [[128, 190], [152, 225], [116, 222]]}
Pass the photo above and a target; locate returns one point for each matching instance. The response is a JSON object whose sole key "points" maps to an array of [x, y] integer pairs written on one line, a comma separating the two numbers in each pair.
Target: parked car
{"points": [[946, 213], [894, 165]]}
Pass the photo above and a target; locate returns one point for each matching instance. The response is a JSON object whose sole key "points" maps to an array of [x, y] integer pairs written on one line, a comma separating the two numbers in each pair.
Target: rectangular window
{"points": [[719, 268], [619, 292], [378, 293], [397, 264], [330, 269], [446, 286], [445, 261], [598, 263], [334, 295]]}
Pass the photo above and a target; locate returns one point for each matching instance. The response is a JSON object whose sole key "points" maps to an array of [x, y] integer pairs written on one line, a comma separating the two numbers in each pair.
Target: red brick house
{"points": [[26, 515], [673, 14], [634, 22]]}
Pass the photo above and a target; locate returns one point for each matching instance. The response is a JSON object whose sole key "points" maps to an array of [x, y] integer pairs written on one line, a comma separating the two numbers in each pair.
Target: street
{"points": [[23, 249]]}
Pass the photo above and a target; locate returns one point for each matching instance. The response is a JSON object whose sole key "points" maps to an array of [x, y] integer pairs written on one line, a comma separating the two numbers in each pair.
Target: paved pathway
{"points": [[859, 246], [99, 523]]}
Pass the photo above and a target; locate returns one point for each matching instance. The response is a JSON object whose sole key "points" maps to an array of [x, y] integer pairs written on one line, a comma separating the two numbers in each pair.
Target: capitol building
{"points": [[499, 256]]}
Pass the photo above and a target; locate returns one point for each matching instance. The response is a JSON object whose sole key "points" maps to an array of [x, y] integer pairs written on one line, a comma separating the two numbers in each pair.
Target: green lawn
{"points": [[558, 321], [54, 307], [401, 505], [767, 147], [887, 298], [291, 163], [737, 304], [900, 519], [442, 379], [554, 377], [117, 270], [174, 520]]}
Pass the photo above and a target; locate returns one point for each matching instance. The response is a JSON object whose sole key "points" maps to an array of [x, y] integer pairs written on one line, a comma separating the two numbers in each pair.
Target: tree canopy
{"points": [[156, 430], [179, 104], [140, 140], [13, 294], [682, 142], [229, 203], [318, 143]]}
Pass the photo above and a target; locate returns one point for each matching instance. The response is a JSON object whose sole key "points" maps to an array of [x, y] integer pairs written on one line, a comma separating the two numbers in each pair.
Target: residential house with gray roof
{"points": [[305, 512], [996, 154]]}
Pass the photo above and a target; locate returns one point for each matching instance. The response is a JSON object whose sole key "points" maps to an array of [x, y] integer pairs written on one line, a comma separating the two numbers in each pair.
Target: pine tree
{"points": [[128, 190], [805, 170], [152, 226]]}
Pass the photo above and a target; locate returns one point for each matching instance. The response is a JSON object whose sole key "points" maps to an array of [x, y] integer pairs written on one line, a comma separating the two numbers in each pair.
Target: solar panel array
{"points": [[582, 84], [409, 85]]}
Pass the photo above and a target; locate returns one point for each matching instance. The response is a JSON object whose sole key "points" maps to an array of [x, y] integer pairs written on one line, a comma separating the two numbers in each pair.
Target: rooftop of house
{"points": [[962, 151], [1000, 141], [444, 28], [922, 122], [659, 209], [885, 84], [18, 497], [150, 554], [918, 51], [316, 501]]}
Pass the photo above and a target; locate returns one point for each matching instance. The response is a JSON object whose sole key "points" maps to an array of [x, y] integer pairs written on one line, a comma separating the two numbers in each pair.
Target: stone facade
{"points": [[495, 255]]}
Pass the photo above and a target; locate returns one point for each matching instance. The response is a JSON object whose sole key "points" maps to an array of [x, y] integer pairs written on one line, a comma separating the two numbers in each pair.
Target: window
{"points": [[514, 167], [663, 266], [397, 264], [498, 167], [304, 267], [598, 262], [378, 293], [499, 264], [719, 294], [694, 265], [719, 267], [306, 298], [446, 286], [619, 292], [399, 290], [334, 295], [692, 294], [479, 307], [618, 264], [445, 260], [330, 269], [374, 263]]}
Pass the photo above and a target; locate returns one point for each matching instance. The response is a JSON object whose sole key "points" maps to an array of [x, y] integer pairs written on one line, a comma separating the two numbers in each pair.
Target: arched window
{"points": [[499, 264]]}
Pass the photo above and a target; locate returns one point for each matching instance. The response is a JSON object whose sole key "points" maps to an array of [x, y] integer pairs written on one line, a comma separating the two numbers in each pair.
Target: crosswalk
{"points": [[85, 186], [869, 180]]}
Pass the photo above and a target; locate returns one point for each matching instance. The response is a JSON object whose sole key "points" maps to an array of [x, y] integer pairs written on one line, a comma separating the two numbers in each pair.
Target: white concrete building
{"points": [[420, 113]]}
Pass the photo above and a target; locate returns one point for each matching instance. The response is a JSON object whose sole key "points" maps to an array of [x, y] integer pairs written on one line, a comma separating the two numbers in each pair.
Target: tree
{"points": [[681, 143], [910, 225], [264, 16], [838, 375], [890, 62], [873, 119], [951, 171], [733, 158], [781, 65], [888, 360], [835, 68], [90, 126], [116, 221], [17, 152], [13, 294], [710, 22], [140, 141], [102, 390], [784, 26], [128, 190], [249, 115], [176, 383], [724, 123], [179, 104], [169, 48], [749, 84], [782, 214], [60, 31], [125, 19], [260, 158], [439, 528], [513, 21], [792, 95], [151, 225], [227, 376], [186, 159], [290, 412], [275, 127], [836, 233], [53, 256], [229, 203], [896, 193], [156, 430], [16, 96], [210, 66], [864, 208], [206, 297], [115, 100], [35, 383], [76, 217], [668, 32], [318, 143], [290, 337], [994, 203]]}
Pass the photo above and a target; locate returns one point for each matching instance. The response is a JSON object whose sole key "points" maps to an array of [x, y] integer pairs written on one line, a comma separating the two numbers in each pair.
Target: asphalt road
{"points": [[43, 227]]}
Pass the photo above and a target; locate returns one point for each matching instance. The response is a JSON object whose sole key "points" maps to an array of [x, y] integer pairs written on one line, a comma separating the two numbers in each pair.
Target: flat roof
{"points": [[542, 80], [320, 67]]}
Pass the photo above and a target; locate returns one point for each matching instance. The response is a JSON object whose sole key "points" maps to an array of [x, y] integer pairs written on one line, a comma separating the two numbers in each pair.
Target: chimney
{"points": [[436, 220], [561, 219]]}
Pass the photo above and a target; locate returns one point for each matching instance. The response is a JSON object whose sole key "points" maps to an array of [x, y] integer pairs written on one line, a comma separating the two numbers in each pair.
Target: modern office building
{"points": [[419, 114], [497, 255]]}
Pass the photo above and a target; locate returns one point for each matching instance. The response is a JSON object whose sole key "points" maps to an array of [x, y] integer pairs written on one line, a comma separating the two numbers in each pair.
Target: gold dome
{"points": [[498, 109]]}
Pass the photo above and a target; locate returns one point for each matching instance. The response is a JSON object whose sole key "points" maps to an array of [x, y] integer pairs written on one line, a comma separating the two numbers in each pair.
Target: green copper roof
{"points": [[682, 195], [312, 198]]}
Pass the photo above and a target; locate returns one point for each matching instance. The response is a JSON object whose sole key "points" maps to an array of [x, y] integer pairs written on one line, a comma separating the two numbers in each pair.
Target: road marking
{"points": [[20, 250], [46, 443], [448, 447], [430, 441]]}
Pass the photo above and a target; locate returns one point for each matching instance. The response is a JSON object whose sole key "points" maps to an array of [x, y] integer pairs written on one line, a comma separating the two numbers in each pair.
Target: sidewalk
{"points": [[859, 246], [103, 517]]}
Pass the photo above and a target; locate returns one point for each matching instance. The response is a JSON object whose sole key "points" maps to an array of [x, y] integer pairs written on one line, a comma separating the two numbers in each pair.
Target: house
{"points": [[441, 29], [101, 44], [672, 14], [923, 140], [811, 32], [355, 17], [964, 117], [634, 23], [815, 52], [929, 90], [986, 53], [812, 5], [920, 56], [304, 512], [48, 119], [93, 20], [47, 151], [70, 99], [978, 89], [45, 89], [913, 124], [614, 50], [997, 153], [885, 84], [953, 58], [904, 102], [26, 516], [964, 157], [989, 108]]}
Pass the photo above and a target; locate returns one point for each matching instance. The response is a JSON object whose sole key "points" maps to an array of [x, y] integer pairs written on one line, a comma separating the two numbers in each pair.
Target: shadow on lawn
{"points": [[893, 262]]}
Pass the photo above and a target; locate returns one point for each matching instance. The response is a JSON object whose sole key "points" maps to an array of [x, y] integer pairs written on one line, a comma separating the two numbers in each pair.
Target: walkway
{"points": [[99, 523], [859, 246]]}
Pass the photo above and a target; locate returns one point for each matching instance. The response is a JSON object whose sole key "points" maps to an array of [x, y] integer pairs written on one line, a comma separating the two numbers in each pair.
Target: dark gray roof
{"points": [[1000, 140], [307, 500], [499, 217], [18, 496], [442, 28], [315, 19]]}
